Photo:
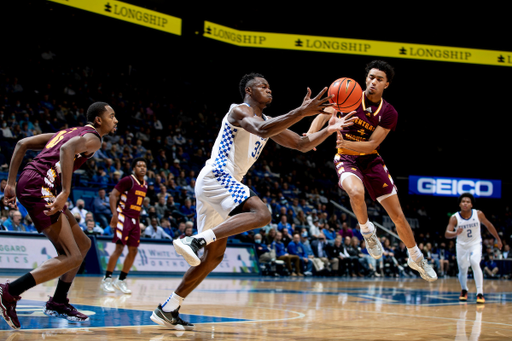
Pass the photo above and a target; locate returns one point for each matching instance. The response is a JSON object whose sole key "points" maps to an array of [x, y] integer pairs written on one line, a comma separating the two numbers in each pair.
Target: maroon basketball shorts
{"points": [[370, 169], [127, 231], [34, 194]]}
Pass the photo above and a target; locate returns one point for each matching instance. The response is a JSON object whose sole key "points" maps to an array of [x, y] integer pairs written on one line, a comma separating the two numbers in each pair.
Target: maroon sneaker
{"points": [[8, 305], [64, 310]]}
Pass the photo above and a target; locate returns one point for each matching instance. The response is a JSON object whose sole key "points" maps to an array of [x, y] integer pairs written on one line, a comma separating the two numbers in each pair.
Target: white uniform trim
{"points": [[218, 186]]}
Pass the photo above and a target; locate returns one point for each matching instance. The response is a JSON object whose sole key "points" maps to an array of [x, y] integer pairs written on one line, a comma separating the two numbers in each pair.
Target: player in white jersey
{"points": [[225, 206], [465, 226]]}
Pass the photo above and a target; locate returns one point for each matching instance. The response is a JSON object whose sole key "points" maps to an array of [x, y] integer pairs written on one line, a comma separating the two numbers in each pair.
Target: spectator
{"points": [[154, 231], [80, 209], [338, 256], [92, 229], [295, 247], [101, 207], [490, 267]]}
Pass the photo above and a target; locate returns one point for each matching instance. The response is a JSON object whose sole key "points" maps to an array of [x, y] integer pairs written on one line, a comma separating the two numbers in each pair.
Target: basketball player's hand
{"points": [[500, 244], [10, 196], [337, 123], [306, 134], [313, 106], [113, 221], [57, 205]]}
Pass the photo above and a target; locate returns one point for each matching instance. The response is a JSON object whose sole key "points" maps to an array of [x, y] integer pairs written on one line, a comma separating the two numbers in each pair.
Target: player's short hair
{"points": [[96, 109], [382, 66], [467, 195], [137, 159], [245, 80]]}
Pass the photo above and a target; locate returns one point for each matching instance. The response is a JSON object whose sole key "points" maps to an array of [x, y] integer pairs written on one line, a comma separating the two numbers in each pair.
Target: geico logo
{"points": [[454, 187]]}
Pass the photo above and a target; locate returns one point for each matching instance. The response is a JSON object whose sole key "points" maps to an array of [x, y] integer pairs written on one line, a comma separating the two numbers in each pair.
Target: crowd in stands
{"points": [[307, 234]]}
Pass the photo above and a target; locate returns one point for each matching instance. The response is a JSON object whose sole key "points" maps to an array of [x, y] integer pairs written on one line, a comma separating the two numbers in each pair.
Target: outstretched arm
{"points": [[451, 232], [36, 142], [292, 140], [244, 117], [490, 227]]}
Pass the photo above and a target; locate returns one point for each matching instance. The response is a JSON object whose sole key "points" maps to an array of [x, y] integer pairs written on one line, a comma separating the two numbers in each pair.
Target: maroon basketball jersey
{"points": [[370, 115], [47, 162], [132, 195]]}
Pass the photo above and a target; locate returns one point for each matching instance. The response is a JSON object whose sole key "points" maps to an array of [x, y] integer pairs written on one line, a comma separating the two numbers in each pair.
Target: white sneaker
{"points": [[373, 244], [121, 285], [106, 285], [425, 270]]}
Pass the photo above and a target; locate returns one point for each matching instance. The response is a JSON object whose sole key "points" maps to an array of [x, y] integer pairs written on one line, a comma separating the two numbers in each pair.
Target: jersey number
{"points": [[57, 138], [257, 149]]}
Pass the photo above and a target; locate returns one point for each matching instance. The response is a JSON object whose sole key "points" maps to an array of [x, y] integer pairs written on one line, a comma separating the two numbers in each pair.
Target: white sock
{"points": [[173, 302], [367, 228], [415, 253], [207, 235]]}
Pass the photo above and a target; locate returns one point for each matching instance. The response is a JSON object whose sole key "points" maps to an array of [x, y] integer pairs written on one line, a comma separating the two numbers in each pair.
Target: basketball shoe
{"points": [[8, 306], [425, 270], [106, 285], [188, 248], [480, 299], [463, 295], [170, 319], [121, 285], [373, 244], [64, 310]]}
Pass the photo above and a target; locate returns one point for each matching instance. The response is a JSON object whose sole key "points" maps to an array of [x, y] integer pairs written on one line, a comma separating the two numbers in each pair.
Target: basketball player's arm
{"points": [[113, 198], [304, 144], [451, 232], [364, 146], [36, 142], [87, 144], [320, 120], [243, 116], [483, 219]]}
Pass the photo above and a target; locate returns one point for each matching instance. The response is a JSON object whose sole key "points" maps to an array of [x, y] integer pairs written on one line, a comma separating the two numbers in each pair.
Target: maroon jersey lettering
{"points": [[368, 117], [132, 195]]}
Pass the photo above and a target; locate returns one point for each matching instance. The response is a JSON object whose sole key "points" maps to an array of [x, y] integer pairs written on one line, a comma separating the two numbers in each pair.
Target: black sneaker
{"points": [[171, 319], [188, 248]]}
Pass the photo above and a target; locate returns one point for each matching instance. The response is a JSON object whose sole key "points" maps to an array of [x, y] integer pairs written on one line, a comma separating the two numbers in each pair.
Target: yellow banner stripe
{"points": [[130, 13], [355, 46]]}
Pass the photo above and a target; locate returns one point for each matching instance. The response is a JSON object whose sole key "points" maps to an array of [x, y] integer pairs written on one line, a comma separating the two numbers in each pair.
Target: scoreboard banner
{"points": [[454, 187], [127, 12], [355, 46]]}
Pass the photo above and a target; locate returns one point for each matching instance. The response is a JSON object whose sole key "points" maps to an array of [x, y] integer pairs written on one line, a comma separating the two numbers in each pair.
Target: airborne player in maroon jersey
{"points": [[125, 203], [43, 188], [359, 165]]}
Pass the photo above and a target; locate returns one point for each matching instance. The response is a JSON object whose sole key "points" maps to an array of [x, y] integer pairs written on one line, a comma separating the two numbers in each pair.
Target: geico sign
{"points": [[481, 188], [454, 186]]}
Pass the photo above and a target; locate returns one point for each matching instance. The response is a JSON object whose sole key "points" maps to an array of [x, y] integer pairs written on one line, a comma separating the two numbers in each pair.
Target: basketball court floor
{"points": [[276, 309]]}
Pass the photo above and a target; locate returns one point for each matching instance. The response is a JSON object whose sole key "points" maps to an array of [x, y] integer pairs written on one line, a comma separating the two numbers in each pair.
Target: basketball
{"points": [[347, 94]]}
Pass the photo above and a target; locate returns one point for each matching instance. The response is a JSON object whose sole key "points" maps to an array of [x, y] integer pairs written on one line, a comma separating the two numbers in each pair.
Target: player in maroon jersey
{"points": [[125, 203], [43, 188], [359, 165]]}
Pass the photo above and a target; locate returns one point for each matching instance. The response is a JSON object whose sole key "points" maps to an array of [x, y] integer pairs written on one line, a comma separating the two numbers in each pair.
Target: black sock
{"points": [[122, 276], [61, 292], [22, 284], [108, 274]]}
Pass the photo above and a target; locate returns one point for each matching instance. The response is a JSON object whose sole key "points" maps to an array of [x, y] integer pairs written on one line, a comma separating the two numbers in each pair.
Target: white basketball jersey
{"points": [[471, 229], [235, 149]]}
